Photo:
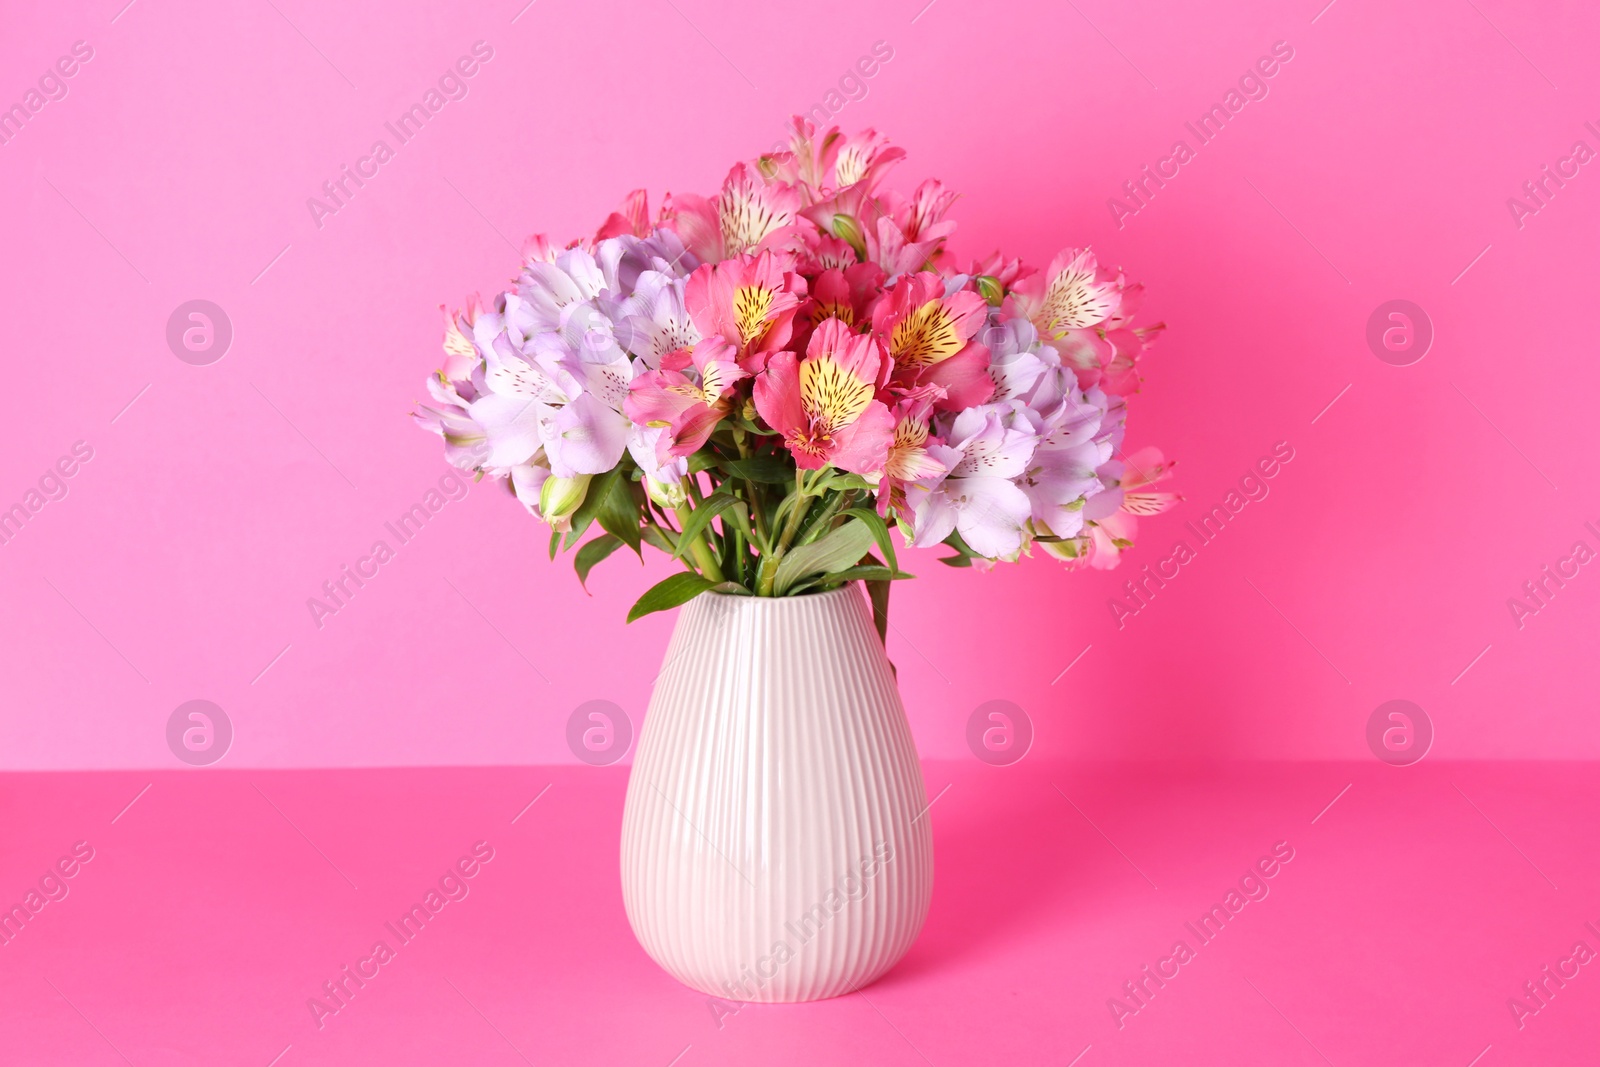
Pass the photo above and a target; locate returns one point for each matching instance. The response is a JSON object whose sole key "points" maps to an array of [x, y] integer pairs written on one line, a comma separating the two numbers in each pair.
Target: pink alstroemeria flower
{"points": [[848, 295], [929, 336], [1008, 272], [823, 405], [749, 301], [1073, 294], [1142, 470], [1107, 353], [749, 215], [632, 218], [909, 457], [809, 159], [688, 408], [1120, 375], [909, 235], [850, 215], [1112, 517], [816, 252], [460, 355], [821, 164]]}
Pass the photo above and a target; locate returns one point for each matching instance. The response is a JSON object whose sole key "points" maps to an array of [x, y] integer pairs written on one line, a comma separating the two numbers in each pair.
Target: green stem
{"points": [[821, 522], [769, 563], [700, 549], [819, 525], [753, 497], [758, 518]]}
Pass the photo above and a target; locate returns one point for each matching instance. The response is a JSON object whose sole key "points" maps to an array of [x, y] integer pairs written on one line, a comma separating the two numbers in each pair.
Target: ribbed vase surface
{"points": [[775, 843]]}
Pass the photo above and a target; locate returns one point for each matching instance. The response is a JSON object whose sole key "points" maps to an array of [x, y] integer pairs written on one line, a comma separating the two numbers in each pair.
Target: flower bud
{"points": [[990, 289], [848, 230], [1070, 550], [560, 497], [667, 494]]}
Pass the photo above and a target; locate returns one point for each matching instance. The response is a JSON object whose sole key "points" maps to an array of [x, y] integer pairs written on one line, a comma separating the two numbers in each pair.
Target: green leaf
{"points": [[840, 549], [669, 593], [592, 552], [872, 574], [656, 536], [739, 537], [956, 542], [878, 593], [768, 470], [966, 554], [555, 543], [584, 517], [738, 419], [841, 481], [616, 508], [700, 517], [789, 503], [880, 533]]}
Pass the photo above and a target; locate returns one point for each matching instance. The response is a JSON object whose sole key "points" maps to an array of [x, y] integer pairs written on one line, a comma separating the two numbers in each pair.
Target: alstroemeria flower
{"points": [[810, 157], [862, 159], [632, 218], [527, 483], [1112, 516], [815, 251], [1087, 352], [749, 215], [689, 408], [988, 448], [561, 390], [909, 235], [850, 215], [823, 404], [450, 416], [623, 260], [909, 459], [1056, 482], [929, 336], [1142, 470], [1120, 374], [460, 356], [1073, 294], [654, 320], [663, 477], [1016, 359], [536, 248], [749, 301], [848, 295], [546, 288], [1005, 271], [921, 218]]}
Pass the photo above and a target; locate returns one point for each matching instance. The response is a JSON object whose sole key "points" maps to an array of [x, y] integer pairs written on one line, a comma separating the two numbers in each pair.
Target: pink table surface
{"points": [[217, 903]]}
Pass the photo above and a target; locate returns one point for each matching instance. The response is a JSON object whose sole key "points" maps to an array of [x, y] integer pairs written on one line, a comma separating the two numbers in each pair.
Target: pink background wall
{"points": [[1379, 165]]}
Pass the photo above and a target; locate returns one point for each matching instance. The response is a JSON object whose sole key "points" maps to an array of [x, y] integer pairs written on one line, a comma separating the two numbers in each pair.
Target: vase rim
{"points": [[852, 583]]}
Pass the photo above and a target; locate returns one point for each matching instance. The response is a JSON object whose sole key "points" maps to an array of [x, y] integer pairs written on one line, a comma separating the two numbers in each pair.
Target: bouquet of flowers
{"points": [[763, 383]]}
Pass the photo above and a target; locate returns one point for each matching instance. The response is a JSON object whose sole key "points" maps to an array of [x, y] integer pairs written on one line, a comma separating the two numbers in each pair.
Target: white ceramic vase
{"points": [[775, 839]]}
